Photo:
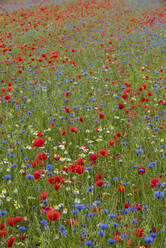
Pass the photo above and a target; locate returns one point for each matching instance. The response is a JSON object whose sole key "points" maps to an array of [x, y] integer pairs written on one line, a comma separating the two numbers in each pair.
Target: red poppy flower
{"points": [[45, 209], [39, 134], [141, 170], [116, 138], [57, 186], [145, 86], [70, 223], [101, 116], [59, 179], [138, 207], [117, 238], [121, 188], [41, 156], [52, 124], [43, 196], [93, 156], [126, 205], [119, 134], [39, 142], [154, 182], [2, 226], [79, 169], [153, 230], [53, 214], [124, 96], [51, 180], [140, 88], [71, 168], [18, 219], [34, 164], [80, 161], [7, 97], [3, 232], [99, 176], [55, 54], [129, 241], [67, 110], [135, 191], [10, 241], [11, 221], [67, 93], [140, 232], [56, 158], [103, 152], [121, 106], [81, 119], [99, 183], [37, 175], [160, 101], [63, 132], [111, 143], [73, 129]]}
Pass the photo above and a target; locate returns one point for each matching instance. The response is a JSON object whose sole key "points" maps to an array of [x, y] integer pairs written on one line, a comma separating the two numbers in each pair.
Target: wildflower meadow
{"points": [[82, 124]]}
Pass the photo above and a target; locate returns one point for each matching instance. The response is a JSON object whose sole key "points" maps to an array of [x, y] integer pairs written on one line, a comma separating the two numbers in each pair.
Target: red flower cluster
{"points": [[39, 142]]}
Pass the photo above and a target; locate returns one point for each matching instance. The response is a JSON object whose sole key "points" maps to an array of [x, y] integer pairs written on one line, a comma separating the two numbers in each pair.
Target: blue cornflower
{"points": [[134, 220], [122, 210], [111, 241], [139, 151], [127, 183], [101, 234], [61, 227], [90, 188], [88, 243], [7, 177], [116, 225], [106, 211], [29, 176], [148, 239], [88, 168], [22, 228], [84, 231], [49, 167], [107, 185], [103, 226], [13, 165], [153, 234], [3, 212], [96, 203], [115, 178], [90, 215], [112, 215], [74, 211], [43, 222], [158, 194], [124, 235], [79, 206]]}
